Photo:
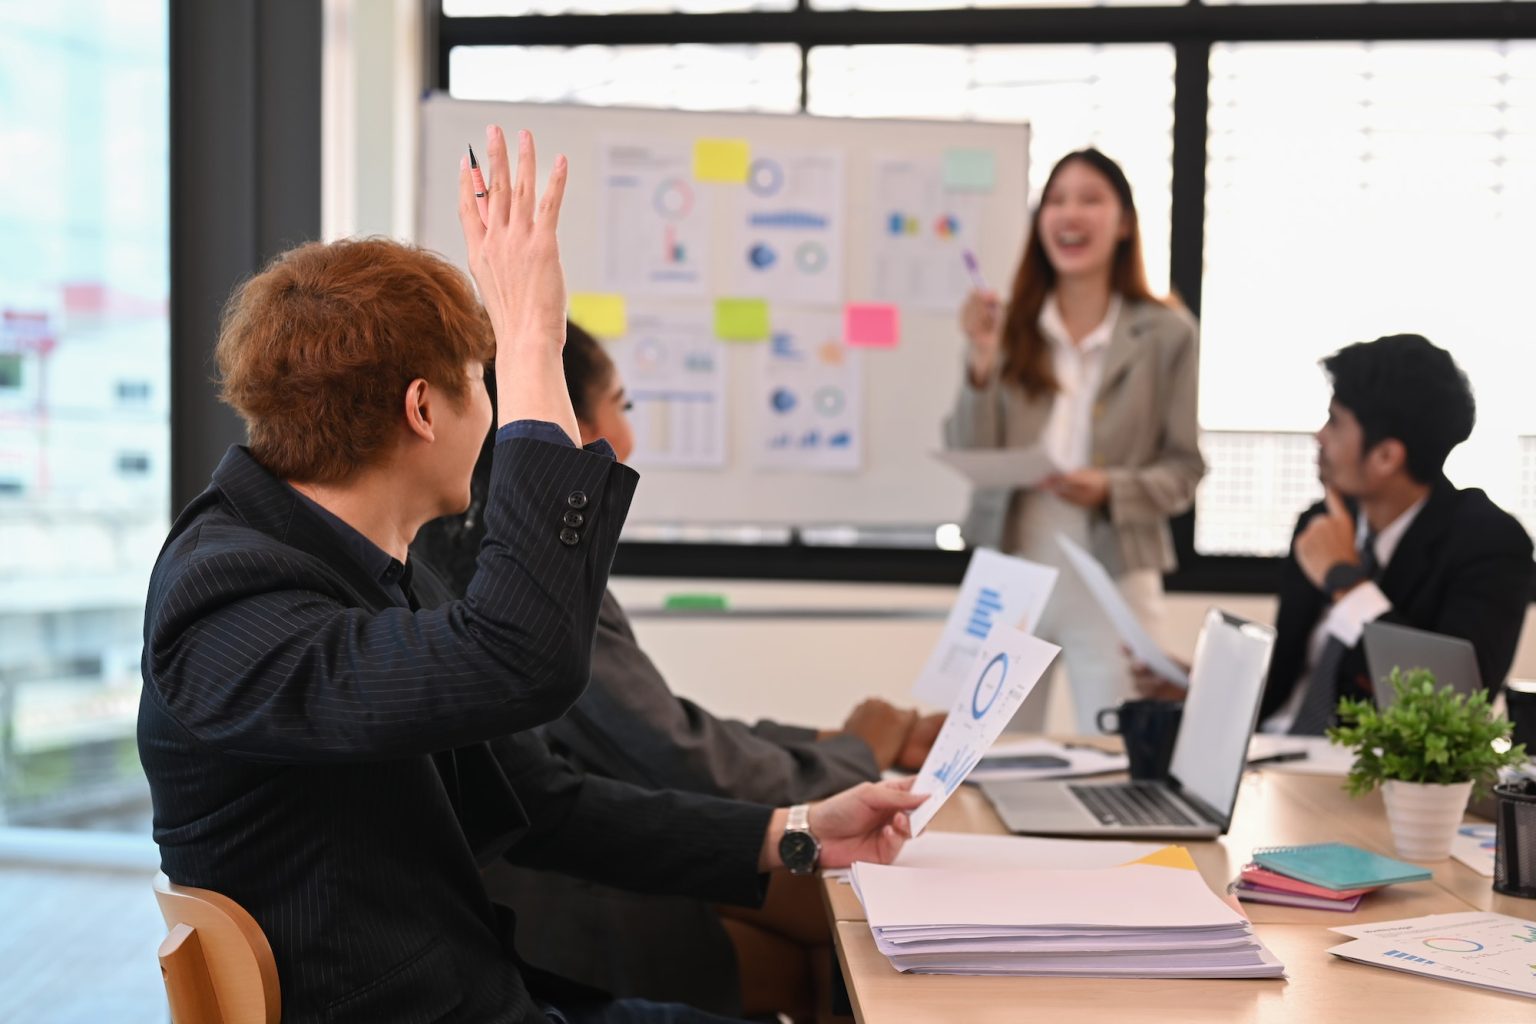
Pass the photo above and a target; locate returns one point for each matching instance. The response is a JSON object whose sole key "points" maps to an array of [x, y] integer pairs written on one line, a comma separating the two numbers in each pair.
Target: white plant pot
{"points": [[1424, 816]]}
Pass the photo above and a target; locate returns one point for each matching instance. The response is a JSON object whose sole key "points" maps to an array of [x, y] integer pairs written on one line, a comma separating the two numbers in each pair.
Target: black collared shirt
{"points": [[393, 576]]}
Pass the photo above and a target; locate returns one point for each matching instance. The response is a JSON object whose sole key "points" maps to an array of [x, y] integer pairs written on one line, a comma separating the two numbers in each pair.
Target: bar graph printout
{"points": [[1006, 668], [997, 590]]}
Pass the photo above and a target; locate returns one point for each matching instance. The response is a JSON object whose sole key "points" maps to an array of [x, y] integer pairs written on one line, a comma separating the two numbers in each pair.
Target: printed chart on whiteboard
{"points": [[655, 219], [789, 237], [922, 227], [810, 396], [674, 373]]}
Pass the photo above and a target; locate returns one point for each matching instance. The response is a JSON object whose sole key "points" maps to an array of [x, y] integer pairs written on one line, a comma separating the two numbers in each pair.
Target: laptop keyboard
{"points": [[1131, 803]]}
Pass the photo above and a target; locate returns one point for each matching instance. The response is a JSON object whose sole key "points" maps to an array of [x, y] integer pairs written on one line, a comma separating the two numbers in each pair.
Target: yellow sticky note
{"points": [[604, 316], [1169, 857], [723, 160], [742, 320]]}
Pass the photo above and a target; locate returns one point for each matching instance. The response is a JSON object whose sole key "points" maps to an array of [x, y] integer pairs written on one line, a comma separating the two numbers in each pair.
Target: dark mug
{"points": [[1148, 729], [1520, 705]]}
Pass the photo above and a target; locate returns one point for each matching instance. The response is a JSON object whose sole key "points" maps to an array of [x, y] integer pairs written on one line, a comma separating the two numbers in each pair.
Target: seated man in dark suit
{"points": [[629, 725], [1393, 539], [333, 743]]}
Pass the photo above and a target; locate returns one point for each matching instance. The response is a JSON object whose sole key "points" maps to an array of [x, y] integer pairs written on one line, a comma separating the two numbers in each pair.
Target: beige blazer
{"points": [[1145, 434]]}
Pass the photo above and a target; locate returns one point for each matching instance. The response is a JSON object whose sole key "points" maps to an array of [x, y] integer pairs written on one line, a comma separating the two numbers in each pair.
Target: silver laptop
{"points": [[1389, 646], [1196, 800]]}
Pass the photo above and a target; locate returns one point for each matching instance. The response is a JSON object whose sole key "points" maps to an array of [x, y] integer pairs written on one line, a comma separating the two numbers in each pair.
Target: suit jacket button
{"points": [[577, 499], [570, 538], [574, 519]]}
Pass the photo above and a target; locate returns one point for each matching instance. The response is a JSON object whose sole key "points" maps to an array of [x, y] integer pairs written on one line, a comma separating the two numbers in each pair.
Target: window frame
{"points": [[1192, 30]]}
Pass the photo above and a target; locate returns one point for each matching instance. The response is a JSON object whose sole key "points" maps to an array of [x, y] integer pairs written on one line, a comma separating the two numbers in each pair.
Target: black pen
{"points": [[1284, 755], [479, 183]]}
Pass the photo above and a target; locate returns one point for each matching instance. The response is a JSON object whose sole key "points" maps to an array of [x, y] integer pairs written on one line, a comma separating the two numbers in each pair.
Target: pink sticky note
{"points": [[871, 325]]}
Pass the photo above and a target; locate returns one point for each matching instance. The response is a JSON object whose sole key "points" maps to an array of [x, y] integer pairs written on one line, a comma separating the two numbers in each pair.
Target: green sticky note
{"points": [[722, 160], [970, 170], [604, 316], [694, 603], [742, 320]]}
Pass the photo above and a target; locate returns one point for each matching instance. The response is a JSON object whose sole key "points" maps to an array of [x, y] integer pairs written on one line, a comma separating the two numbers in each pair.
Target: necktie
{"points": [[1322, 697]]}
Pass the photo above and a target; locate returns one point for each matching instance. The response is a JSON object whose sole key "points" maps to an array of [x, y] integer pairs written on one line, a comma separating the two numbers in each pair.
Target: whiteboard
{"points": [[907, 389]]}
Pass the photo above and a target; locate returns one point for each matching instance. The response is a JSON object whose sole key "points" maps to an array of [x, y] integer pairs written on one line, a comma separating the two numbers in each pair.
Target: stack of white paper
{"points": [[1153, 918]]}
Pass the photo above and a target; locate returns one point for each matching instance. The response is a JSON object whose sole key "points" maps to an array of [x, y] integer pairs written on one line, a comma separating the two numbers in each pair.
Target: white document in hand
{"points": [[1008, 666], [1109, 598], [998, 468], [997, 590]]}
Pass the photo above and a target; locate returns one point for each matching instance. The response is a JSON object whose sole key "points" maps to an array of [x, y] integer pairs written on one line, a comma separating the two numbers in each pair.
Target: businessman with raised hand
{"points": [[333, 743]]}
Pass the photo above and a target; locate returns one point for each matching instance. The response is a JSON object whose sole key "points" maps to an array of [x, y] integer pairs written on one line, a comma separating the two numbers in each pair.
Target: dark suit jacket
{"points": [[320, 755], [629, 725], [1463, 568]]}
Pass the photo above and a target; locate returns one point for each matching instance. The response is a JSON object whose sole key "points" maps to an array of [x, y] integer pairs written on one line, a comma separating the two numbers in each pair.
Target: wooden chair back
{"points": [[217, 965]]}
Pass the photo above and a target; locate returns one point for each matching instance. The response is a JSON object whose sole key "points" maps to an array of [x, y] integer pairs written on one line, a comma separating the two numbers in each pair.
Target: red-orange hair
{"points": [[316, 351]]}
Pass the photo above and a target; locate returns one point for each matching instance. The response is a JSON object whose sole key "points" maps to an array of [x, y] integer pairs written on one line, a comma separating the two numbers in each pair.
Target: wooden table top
{"points": [[1273, 808]]}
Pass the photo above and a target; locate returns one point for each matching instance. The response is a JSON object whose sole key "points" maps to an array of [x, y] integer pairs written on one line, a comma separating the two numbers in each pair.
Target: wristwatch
{"points": [[798, 849], [1344, 576]]}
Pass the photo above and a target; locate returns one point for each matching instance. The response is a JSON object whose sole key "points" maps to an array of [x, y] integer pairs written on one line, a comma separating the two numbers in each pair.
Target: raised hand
{"points": [[1326, 540], [981, 320], [514, 256]]}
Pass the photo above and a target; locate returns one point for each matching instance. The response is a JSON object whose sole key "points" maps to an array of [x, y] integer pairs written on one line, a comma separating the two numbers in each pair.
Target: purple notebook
{"points": [[1251, 893]]}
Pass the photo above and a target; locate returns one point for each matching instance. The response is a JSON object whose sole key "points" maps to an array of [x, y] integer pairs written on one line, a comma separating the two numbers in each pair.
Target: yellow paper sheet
{"points": [[742, 320], [604, 316], [722, 160]]}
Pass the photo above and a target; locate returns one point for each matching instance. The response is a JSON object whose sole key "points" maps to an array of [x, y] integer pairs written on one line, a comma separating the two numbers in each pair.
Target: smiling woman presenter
{"points": [[1086, 362]]}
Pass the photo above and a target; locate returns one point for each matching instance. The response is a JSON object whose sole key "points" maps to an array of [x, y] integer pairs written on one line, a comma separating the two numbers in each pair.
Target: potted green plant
{"points": [[1428, 751]]}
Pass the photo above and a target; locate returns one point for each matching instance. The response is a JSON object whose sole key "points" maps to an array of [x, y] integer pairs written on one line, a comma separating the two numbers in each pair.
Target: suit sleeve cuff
{"points": [[1347, 618]]}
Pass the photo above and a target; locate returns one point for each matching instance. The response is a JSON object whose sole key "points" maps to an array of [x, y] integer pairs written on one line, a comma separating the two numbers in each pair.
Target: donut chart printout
{"points": [[1005, 670]]}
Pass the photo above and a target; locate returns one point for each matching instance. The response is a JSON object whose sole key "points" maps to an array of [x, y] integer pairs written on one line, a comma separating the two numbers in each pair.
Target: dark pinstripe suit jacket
{"points": [[341, 767]]}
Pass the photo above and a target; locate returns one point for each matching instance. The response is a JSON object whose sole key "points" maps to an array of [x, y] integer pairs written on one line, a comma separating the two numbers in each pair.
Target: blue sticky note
{"points": [[970, 170]]}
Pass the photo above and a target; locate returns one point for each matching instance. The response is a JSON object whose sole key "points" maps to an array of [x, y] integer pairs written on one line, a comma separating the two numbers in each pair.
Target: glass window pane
{"points": [[685, 77], [1118, 98], [935, 5], [1356, 190], [1241, 2], [84, 399], [513, 8]]}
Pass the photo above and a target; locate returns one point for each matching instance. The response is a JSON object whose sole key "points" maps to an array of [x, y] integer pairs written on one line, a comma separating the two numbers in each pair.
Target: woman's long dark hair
{"points": [[1026, 354]]}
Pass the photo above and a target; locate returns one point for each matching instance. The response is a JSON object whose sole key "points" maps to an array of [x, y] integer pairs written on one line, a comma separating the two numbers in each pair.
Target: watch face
{"points": [[798, 851]]}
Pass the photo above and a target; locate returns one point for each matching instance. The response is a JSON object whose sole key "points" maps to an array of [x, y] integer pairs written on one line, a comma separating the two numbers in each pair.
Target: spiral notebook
{"points": [[1338, 866]]}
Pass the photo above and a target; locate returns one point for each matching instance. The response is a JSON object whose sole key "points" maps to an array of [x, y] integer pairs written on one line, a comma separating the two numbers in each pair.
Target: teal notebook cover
{"points": [[1338, 866]]}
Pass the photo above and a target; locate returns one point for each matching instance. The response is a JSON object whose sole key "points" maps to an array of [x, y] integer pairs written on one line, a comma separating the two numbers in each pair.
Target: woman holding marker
{"points": [[1086, 362]]}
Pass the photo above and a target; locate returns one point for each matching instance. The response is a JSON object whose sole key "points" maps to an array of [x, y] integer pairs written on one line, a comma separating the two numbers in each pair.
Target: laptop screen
{"points": [[1225, 685], [1452, 659]]}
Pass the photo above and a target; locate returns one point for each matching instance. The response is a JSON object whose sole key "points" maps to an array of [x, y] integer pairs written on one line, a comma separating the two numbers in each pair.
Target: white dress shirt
{"points": [[1079, 368]]}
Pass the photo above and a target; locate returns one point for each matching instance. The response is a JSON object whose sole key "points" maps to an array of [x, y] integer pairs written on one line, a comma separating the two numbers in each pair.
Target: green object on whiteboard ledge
{"points": [[695, 603]]}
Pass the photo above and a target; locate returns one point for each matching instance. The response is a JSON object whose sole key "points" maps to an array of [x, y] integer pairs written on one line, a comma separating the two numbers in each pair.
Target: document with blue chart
{"points": [[997, 590], [810, 396], [1002, 674]]}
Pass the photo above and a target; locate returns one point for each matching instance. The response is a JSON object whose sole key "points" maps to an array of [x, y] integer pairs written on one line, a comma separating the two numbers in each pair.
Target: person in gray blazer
{"points": [[629, 725], [1086, 362]]}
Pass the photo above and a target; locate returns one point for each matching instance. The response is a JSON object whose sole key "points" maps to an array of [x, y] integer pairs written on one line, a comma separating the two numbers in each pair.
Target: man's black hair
{"points": [[1402, 386]]}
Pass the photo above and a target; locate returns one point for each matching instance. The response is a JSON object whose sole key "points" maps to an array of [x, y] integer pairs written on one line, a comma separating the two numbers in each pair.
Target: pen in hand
{"points": [[974, 269], [479, 182]]}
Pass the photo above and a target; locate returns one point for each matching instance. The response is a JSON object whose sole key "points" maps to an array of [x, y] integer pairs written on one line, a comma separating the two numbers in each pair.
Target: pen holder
{"points": [[1514, 864]]}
